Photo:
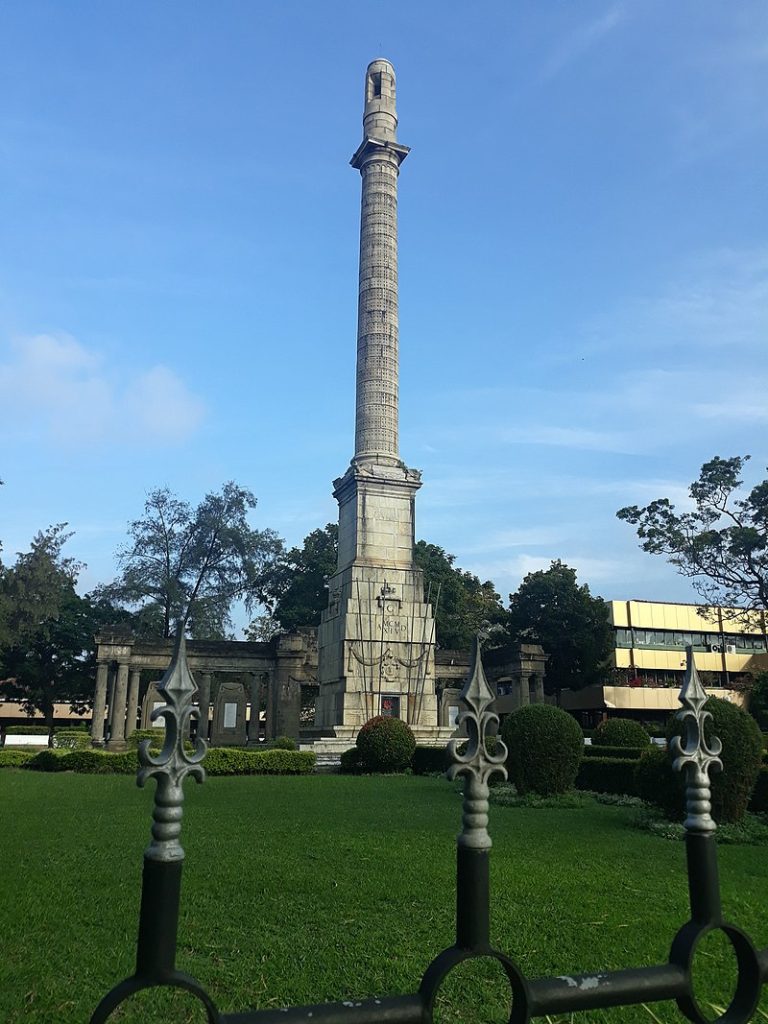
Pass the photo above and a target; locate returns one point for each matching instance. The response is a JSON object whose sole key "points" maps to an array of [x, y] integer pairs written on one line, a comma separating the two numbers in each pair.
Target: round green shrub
{"points": [[620, 732], [385, 744], [544, 747], [742, 757], [156, 736], [351, 761]]}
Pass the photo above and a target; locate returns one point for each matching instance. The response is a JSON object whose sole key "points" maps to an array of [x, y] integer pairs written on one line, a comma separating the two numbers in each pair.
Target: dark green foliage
{"points": [[429, 760], [351, 762], [657, 784], [283, 743], [155, 736], [607, 775], [620, 732], [28, 730], [722, 545], [386, 744], [759, 800], [625, 753], [295, 586], [47, 628], [741, 757], [46, 761], [757, 701], [544, 747], [15, 758], [550, 609], [463, 604]]}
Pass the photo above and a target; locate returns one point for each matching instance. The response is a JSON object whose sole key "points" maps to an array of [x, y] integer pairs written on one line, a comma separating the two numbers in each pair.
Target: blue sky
{"points": [[583, 265]]}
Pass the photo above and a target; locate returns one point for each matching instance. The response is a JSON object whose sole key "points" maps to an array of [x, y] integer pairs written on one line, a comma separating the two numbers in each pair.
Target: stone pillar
{"points": [[99, 704], [254, 725], [269, 732], [116, 741], [204, 703], [133, 702], [111, 676], [539, 689], [525, 696], [378, 159]]}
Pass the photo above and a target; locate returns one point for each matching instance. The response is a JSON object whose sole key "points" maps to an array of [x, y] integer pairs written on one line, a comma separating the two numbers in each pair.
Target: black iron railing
{"points": [[534, 997]]}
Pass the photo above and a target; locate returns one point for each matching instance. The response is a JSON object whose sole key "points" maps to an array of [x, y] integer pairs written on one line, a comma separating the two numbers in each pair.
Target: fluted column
{"points": [[133, 702], [378, 159], [99, 704], [116, 741], [204, 703]]}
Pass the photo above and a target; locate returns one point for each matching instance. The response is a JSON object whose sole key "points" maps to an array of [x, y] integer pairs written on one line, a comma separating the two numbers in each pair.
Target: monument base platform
{"points": [[328, 749]]}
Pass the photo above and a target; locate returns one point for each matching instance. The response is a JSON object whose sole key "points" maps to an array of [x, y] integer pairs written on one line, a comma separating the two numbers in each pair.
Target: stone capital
{"points": [[377, 149]]}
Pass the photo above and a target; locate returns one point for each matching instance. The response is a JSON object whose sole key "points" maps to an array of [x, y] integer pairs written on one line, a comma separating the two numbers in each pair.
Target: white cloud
{"points": [[580, 40], [53, 386]]}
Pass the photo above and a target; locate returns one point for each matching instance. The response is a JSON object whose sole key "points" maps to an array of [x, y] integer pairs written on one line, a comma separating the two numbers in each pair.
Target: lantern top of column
{"points": [[380, 113]]}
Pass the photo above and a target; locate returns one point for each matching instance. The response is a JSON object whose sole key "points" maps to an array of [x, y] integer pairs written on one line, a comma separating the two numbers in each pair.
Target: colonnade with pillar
{"points": [[279, 667]]}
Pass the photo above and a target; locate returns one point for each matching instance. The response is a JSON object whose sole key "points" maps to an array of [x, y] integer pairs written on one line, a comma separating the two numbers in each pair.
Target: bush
{"points": [[625, 753], [351, 761], [759, 800], [385, 744], [544, 745], [16, 758], [620, 732], [741, 757], [429, 760], [283, 743], [156, 737], [46, 761], [608, 775], [28, 730], [657, 784], [227, 761], [72, 739]]}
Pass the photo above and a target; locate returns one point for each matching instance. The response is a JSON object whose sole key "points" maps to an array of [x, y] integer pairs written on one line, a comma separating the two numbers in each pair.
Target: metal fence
{"points": [[530, 997]]}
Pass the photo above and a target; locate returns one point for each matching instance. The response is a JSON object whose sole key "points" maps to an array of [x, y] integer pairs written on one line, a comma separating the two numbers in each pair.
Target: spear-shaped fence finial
{"points": [[694, 754]]}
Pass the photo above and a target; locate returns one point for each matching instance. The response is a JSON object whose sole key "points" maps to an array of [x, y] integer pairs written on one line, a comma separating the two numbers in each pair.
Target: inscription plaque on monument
{"points": [[230, 716], [390, 705]]}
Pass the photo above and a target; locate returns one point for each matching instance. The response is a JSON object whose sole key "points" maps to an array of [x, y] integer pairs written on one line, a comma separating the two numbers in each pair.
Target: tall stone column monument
{"points": [[376, 640]]}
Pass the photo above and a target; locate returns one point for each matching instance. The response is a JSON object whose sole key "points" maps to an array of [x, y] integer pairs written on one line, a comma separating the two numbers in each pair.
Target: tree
{"points": [[47, 654], [463, 605], [721, 545], [190, 564], [573, 628], [295, 589]]}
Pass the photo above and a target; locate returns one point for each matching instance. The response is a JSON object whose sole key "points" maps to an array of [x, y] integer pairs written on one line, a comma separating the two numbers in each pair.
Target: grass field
{"points": [[300, 890]]}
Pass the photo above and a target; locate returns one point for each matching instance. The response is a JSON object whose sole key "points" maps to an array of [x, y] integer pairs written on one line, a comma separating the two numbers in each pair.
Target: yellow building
{"points": [[648, 659], [651, 637]]}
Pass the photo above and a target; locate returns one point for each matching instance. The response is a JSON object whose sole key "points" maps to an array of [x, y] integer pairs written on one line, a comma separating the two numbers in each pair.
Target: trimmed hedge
{"points": [[385, 744], [226, 761], [658, 784], [282, 743], [218, 761], [544, 746], [620, 732], [16, 758], [608, 775], [71, 739], [625, 753], [759, 800], [429, 760], [27, 730], [155, 735]]}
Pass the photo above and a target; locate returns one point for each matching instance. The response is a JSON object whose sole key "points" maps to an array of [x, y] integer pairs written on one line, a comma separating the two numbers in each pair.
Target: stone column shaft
{"points": [[99, 704], [378, 159], [204, 702], [133, 702], [116, 740], [254, 725]]}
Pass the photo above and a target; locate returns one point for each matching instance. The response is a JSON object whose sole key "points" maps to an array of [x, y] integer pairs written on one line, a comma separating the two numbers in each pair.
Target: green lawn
{"points": [[299, 890]]}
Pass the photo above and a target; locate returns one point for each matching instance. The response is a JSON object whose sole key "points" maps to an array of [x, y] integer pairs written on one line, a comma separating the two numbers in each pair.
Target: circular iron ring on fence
{"points": [[749, 975], [177, 979], [443, 964]]}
